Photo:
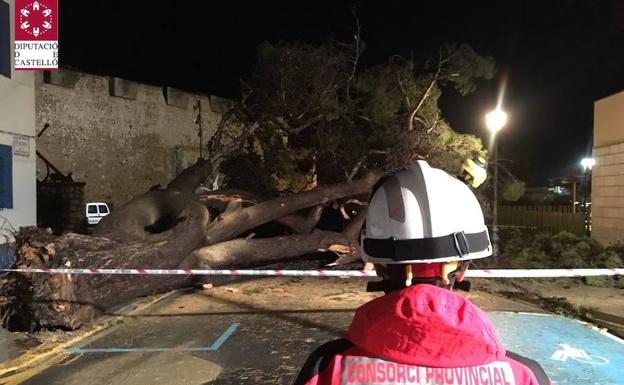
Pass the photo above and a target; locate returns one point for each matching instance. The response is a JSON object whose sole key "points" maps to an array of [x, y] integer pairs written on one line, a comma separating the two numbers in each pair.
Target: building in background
{"points": [[117, 136], [608, 172], [99, 138], [17, 133]]}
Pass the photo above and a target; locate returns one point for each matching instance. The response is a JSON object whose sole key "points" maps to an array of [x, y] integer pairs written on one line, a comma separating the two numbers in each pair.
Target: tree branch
{"points": [[425, 95], [250, 252], [302, 225], [297, 130], [407, 99], [357, 52], [228, 226]]}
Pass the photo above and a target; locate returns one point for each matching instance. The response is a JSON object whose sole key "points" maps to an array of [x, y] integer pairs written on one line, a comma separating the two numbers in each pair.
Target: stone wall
{"points": [[119, 137], [608, 173]]}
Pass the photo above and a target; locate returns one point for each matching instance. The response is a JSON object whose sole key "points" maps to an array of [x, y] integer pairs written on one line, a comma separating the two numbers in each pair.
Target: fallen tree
{"points": [[32, 301], [309, 135]]}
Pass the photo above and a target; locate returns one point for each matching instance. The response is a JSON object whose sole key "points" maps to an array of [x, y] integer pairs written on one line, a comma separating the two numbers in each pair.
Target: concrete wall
{"points": [[608, 173], [119, 145], [17, 118]]}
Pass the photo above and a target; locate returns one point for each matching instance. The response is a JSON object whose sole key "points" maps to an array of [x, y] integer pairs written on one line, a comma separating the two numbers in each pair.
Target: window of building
{"points": [[5, 40], [6, 177]]}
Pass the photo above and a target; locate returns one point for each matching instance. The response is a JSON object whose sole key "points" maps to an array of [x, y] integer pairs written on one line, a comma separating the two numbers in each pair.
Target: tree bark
{"points": [[60, 301], [255, 252], [221, 200], [34, 301], [228, 226], [131, 221]]}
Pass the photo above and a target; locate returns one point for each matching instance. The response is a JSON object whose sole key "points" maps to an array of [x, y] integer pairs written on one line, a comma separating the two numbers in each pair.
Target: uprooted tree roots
{"points": [[167, 228]]}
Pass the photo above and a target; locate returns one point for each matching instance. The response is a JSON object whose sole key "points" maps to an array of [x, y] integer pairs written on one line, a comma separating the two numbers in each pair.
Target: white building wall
{"points": [[17, 117]]}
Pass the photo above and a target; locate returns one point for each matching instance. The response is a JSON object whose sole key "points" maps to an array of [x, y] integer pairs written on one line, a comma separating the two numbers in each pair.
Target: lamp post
{"points": [[495, 121], [586, 164]]}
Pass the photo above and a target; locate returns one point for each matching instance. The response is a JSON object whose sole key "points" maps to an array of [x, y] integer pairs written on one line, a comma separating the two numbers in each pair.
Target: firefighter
{"points": [[422, 229]]}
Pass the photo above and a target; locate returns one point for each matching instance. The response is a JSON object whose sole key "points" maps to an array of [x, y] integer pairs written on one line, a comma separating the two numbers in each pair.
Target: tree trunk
{"points": [[255, 252], [133, 220], [60, 301], [33, 301], [229, 225]]}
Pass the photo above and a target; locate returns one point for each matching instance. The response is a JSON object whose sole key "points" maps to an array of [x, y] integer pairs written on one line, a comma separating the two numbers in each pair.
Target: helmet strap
{"points": [[409, 275], [451, 274], [447, 269]]}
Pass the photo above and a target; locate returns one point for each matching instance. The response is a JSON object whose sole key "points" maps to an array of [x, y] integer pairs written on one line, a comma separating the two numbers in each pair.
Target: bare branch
{"points": [[356, 57], [425, 95], [407, 99], [356, 168], [297, 130], [435, 122], [232, 146]]}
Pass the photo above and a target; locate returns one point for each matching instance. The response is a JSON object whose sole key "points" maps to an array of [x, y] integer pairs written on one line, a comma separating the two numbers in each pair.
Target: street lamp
{"points": [[495, 121], [586, 164]]}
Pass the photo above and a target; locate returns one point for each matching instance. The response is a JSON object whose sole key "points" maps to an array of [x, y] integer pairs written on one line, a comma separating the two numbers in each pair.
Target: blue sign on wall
{"points": [[570, 351], [6, 177]]}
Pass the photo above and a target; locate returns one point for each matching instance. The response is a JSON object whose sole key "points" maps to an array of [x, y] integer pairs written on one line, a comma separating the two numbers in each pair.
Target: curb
{"points": [[46, 355]]}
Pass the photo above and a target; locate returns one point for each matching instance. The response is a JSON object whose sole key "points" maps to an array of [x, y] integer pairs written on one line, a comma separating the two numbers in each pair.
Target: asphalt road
{"points": [[219, 337], [260, 332]]}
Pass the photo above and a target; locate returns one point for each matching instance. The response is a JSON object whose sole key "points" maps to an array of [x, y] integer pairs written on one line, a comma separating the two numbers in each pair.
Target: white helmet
{"points": [[421, 214]]}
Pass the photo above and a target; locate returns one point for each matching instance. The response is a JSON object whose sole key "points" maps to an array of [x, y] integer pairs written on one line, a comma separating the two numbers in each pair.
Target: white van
{"points": [[95, 211]]}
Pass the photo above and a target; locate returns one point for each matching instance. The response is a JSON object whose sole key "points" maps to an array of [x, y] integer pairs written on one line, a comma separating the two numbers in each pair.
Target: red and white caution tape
{"points": [[493, 273], [542, 273]]}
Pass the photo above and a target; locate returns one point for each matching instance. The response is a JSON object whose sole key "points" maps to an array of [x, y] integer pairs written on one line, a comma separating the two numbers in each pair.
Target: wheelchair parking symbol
{"points": [[568, 352]]}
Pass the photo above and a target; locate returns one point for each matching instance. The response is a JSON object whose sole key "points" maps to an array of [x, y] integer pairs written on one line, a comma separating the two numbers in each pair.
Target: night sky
{"points": [[559, 55]]}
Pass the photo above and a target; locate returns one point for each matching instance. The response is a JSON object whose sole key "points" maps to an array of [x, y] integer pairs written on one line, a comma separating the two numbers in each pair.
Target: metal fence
{"points": [[549, 219]]}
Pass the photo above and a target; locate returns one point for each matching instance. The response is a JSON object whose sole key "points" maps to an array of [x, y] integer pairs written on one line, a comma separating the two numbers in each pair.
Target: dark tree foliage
{"points": [[322, 119]]}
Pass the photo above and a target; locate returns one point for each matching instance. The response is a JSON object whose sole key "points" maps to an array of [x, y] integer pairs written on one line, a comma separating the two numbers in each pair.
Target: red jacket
{"points": [[419, 335]]}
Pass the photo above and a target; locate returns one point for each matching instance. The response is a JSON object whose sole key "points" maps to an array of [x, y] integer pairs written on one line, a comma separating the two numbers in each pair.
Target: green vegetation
{"points": [[320, 118], [564, 250], [253, 290]]}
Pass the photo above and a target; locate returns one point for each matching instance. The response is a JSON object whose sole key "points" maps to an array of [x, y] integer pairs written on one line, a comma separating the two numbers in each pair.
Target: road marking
{"points": [[46, 355], [215, 346]]}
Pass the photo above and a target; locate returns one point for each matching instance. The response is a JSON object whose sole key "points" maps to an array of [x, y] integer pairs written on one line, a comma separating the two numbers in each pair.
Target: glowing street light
{"points": [[495, 121], [588, 163]]}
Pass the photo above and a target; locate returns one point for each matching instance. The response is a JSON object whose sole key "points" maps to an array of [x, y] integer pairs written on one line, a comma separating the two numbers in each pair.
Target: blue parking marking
{"points": [[226, 334], [571, 352], [215, 346]]}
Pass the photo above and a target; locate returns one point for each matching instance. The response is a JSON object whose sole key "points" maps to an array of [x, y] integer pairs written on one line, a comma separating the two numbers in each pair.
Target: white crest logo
{"points": [[40, 13]]}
